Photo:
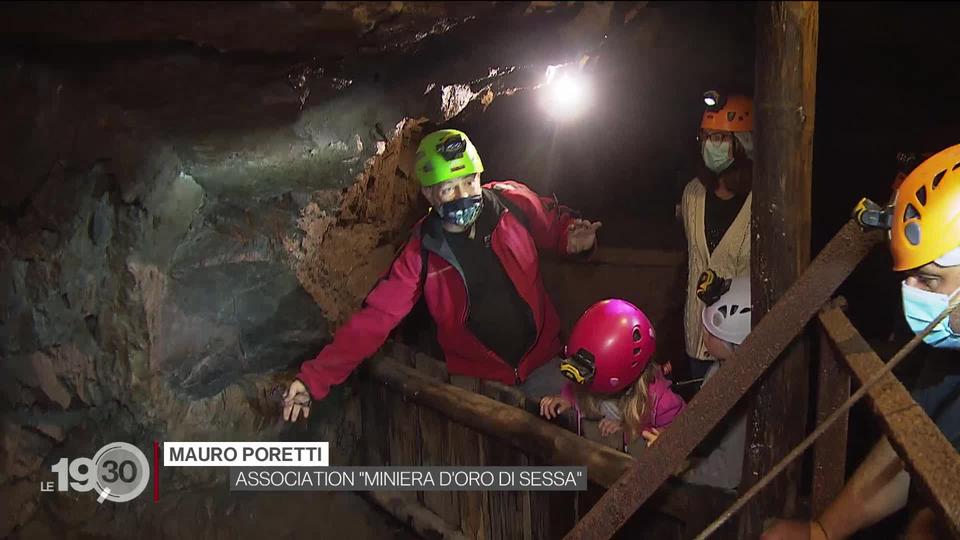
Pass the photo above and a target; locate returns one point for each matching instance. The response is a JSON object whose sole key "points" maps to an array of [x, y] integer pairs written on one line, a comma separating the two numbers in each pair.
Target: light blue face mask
{"points": [[717, 156], [921, 308]]}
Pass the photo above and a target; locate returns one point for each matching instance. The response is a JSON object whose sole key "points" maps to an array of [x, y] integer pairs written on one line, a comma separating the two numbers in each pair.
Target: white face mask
{"points": [[717, 155]]}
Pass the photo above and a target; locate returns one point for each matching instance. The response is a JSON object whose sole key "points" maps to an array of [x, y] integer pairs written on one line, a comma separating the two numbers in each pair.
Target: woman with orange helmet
{"points": [[925, 242], [715, 208]]}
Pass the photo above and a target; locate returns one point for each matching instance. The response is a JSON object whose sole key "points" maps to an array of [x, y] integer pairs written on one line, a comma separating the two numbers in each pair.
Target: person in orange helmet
{"points": [[925, 243], [715, 208]]}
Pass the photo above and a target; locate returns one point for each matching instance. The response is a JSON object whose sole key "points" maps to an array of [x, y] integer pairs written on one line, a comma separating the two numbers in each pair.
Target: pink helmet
{"points": [[609, 347]]}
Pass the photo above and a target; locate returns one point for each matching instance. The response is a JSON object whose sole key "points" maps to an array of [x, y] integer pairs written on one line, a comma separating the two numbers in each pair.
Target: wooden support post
{"points": [[830, 450], [784, 112]]}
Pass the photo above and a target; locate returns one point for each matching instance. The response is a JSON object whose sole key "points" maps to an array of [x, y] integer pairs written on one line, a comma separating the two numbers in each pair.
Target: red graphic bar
{"points": [[156, 471]]}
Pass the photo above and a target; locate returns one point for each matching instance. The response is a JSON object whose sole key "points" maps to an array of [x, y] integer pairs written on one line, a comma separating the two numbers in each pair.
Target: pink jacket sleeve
{"points": [[667, 404], [548, 220], [385, 306]]}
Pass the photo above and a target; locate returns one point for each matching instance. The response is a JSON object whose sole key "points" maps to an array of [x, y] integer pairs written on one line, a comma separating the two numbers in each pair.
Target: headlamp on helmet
{"points": [[579, 368], [714, 100], [452, 148], [710, 287]]}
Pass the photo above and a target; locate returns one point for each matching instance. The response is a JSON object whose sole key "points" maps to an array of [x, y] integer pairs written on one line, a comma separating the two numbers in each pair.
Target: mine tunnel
{"points": [[198, 197]]}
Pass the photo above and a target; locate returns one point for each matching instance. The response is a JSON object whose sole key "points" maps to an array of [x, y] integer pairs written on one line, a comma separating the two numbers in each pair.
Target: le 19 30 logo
{"points": [[119, 472]]}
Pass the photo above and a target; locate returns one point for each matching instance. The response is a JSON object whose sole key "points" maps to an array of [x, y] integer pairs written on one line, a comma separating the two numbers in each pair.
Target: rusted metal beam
{"points": [[830, 450], [932, 461], [764, 344]]}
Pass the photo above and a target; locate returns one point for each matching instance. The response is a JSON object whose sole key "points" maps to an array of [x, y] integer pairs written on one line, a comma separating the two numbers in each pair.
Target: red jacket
{"points": [[516, 244]]}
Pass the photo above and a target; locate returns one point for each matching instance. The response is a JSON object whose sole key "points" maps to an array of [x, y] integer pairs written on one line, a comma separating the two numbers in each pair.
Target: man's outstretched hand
{"points": [[295, 401], [581, 235]]}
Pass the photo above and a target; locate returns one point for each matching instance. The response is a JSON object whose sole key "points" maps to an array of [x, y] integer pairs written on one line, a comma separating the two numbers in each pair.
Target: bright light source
{"points": [[712, 99], [566, 96]]}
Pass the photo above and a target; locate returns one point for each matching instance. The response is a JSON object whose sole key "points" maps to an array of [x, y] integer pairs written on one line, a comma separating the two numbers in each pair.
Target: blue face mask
{"points": [[716, 155], [461, 212], [920, 308]]}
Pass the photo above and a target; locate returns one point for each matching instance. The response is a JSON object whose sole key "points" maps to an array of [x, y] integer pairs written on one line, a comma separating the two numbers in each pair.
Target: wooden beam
{"points": [[786, 68], [534, 436], [931, 459], [426, 523], [830, 450], [768, 339], [513, 425]]}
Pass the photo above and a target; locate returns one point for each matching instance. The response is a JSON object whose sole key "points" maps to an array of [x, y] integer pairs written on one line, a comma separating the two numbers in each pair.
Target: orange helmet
{"points": [[926, 212], [735, 115]]}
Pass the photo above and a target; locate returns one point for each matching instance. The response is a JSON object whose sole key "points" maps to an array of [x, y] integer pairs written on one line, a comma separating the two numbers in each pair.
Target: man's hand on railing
{"points": [[295, 401]]}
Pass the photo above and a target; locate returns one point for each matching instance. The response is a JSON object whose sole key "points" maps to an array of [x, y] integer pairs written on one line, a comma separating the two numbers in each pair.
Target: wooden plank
{"points": [[435, 445], [509, 510], [933, 463], [552, 513], [786, 67], [830, 450], [374, 422], [465, 449], [518, 428], [764, 344], [422, 520], [402, 435]]}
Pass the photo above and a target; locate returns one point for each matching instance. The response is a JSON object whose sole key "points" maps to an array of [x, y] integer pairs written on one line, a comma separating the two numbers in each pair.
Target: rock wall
{"points": [[193, 201], [161, 284]]}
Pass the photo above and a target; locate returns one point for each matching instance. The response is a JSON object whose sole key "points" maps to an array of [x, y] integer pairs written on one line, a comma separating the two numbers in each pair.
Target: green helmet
{"points": [[446, 154]]}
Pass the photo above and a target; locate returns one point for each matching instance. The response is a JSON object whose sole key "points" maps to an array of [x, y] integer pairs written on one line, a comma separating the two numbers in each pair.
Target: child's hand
{"points": [[650, 435], [553, 406], [609, 426]]}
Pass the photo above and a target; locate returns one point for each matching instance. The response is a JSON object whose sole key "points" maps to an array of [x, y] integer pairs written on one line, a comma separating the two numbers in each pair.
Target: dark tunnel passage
{"points": [[196, 196]]}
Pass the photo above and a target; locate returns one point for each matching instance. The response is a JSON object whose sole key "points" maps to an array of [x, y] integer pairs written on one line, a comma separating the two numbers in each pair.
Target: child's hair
{"points": [[633, 402]]}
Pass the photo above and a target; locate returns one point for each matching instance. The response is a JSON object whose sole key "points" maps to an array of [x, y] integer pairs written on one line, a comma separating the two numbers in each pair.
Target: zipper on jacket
{"points": [[536, 337], [537, 332], [466, 311]]}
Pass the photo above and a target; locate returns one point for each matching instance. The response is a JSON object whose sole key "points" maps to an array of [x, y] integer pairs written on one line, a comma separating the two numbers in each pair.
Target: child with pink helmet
{"points": [[608, 361]]}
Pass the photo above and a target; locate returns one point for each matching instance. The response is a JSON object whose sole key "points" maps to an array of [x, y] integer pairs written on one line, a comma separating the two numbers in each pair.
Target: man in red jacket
{"points": [[475, 260]]}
